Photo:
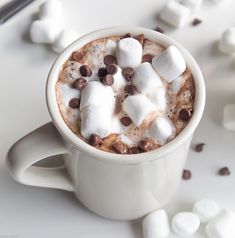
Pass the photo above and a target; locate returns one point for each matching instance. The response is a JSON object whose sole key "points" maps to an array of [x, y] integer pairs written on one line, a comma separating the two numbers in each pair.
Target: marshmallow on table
{"points": [[162, 130], [227, 41], [222, 226], [229, 117], [129, 52], [156, 225], [185, 223], [206, 209], [118, 79], [44, 31], [170, 64], [193, 5], [175, 14], [140, 109]]}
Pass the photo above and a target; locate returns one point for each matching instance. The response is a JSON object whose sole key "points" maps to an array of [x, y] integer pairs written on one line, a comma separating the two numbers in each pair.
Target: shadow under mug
{"points": [[115, 186]]}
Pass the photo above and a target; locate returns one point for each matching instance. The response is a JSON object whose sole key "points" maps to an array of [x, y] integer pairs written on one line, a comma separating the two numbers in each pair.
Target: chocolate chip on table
{"points": [[224, 171], [102, 72], [74, 103], [111, 69], [185, 114], [133, 150], [126, 121], [79, 83], [119, 147], [147, 58], [85, 71], [140, 38], [196, 21], [130, 90], [95, 140], [110, 59], [127, 35], [128, 73], [159, 29], [199, 147], [77, 56], [145, 145], [107, 80], [187, 174]]}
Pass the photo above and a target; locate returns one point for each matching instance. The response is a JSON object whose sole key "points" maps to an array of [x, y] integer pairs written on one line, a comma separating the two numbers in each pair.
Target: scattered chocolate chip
{"points": [[147, 58], [127, 35], [133, 150], [224, 171], [126, 121], [159, 29], [130, 90], [145, 145], [140, 38], [128, 73], [199, 147], [102, 72], [196, 21], [79, 83], [112, 69], [110, 59], [185, 114], [187, 174], [119, 147], [95, 140], [77, 55], [85, 71], [74, 103], [107, 79]]}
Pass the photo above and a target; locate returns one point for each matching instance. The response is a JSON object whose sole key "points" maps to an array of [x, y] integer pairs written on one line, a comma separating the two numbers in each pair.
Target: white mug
{"points": [[112, 185]]}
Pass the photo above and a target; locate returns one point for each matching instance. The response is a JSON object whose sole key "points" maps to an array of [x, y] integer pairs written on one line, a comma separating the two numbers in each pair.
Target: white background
{"points": [[27, 212]]}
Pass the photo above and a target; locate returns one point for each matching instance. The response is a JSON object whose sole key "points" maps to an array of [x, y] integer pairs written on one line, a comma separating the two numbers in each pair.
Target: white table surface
{"points": [[27, 212]]}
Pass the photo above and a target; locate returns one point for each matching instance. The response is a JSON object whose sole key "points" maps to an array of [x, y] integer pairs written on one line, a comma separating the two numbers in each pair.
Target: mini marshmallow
{"points": [[97, 94], [140, 109], [222, 226], [175, 14], [44, 31], [111, 46], [158, 98], [162, 130], [176, 85], [116, 125], [170, 64], [95, 120], [227, 41], [185, 223], [126, 140], [206, 209], [118, 79], [193, 5], [146, 79], [156, 225], [129, 52], [229, 117], [65, 38]]}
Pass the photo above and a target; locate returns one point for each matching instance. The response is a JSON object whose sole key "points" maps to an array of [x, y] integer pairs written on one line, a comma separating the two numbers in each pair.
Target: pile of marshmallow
{"points": [[218, 223], [49, 28]]}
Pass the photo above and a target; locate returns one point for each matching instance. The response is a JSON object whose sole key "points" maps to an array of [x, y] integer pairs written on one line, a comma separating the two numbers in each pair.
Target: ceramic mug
{"points": [[112, 185]]}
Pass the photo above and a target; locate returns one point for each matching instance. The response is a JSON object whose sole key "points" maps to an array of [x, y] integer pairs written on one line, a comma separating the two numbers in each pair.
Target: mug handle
{"points": [[37, 145]]}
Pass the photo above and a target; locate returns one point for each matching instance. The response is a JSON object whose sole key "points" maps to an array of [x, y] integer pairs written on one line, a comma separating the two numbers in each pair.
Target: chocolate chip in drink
{"points": [[74, 103], [119, 147], [95, 140], [77, 56], [110, 59], [126, 121], [196, 21], [224, 171], [85, 71], [79, 83], [145, 145], [185, 114], [140, 38], [187, 174], [102, 72], [199, 147], [159, 29], [130, 90], [127, 35], [128, 73], [112, 69], [107, 80], [147, 58], [133, 150]]}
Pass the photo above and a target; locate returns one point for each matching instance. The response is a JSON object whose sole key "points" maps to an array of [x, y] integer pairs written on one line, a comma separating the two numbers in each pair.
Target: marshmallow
{"points": [[185, 223], [97, 94], [193, 5], [170, 64], [44, 31], [175, 14], [162, 130], [206, 209], [146, 79], [222, 226], [116, 125], [129, 52], [158, 98], [111, 46], [156, 225], [65, 38], [118, 80], [176, 85], [95, 120], [140, 109], [126, 140], [227, 41], [229, 117]]}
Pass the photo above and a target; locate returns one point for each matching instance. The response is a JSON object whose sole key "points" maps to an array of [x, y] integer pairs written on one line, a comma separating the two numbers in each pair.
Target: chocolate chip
{"points": [[112, 69], [196, 22], [95, 140], [185, 114], [145, 145], [159, 29], [102, 72], [128, 73], [224, 171], [140, 38], [119, 147], [126, 121], [107, 79], [74, 103], [79, 83], [130, 90], [186, 174], [127, 35], [77, 55], [110, 59], [133, 150], [85, 71], [199, 147], [147, 58]]}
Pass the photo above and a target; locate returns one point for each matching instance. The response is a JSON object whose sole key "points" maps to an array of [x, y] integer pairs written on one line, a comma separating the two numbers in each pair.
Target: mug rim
{"points": [[71, 137]]}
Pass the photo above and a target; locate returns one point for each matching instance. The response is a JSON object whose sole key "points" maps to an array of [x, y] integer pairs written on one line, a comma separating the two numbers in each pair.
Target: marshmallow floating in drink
{"points": [[227, 41], [118, 79], [176, 85], [229, 117], [158, 98]]}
